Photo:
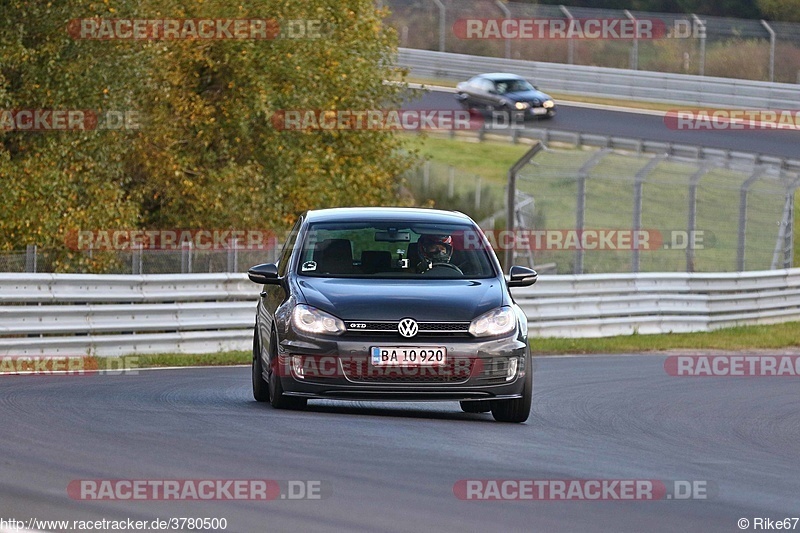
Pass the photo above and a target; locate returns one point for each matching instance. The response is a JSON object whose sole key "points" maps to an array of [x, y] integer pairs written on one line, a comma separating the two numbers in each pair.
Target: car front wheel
{"points": [[260, 386], [277, 398], [516, 410]]}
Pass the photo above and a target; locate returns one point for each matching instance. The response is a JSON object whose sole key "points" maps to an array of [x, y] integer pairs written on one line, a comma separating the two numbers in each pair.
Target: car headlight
{"points": [[311, 320], [548, 104], [522, 105], [495, 322]]}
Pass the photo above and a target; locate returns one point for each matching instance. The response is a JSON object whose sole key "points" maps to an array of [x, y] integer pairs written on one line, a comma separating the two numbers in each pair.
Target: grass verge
{"points": [[772, 337]]}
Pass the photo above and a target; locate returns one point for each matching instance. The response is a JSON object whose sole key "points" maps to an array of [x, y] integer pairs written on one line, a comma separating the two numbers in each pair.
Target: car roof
{"points": [[400, 214], [494, 76]]}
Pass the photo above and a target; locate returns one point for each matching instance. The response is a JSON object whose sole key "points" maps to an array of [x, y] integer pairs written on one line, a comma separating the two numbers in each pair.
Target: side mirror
{"points": [[520, 276], [264, 274]]}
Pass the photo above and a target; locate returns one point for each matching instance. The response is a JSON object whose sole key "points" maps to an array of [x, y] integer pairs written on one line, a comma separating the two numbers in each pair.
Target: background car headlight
{"points": [[522, 105], [548, 104], [311, 320], [495, 322]]}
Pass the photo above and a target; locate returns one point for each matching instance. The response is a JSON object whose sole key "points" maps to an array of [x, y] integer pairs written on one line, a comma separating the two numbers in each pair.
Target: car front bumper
{"points": [[342, 369]]}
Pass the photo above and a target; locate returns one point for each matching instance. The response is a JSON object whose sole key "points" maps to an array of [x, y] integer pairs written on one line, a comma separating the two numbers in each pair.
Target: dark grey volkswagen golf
{"points": [[391, 304]]}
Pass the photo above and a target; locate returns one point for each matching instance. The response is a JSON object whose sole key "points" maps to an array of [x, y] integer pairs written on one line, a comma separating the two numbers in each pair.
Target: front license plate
{"points": [[539, 111], [408, 355]]}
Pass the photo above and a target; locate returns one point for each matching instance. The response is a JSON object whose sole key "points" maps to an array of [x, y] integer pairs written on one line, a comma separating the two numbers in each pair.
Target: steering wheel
{"points": [[447, 265]]}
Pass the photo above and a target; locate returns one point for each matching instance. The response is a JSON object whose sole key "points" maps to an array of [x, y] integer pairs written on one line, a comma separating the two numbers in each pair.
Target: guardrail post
{"points": [[771, 49], [506, 14], [442, 24], [511, 193], [580, 209], [30, 258], [570, 41], [694, 181], [743, 216], [638, 184]]}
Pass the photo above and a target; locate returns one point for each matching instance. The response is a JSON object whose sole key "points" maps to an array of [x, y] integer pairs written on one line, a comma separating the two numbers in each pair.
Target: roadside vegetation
{"points": [[202, 150]]}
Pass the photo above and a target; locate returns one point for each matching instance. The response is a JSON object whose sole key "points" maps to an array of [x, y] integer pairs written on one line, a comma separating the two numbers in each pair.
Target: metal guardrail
{"points": [[608, 82], [74, 314]]}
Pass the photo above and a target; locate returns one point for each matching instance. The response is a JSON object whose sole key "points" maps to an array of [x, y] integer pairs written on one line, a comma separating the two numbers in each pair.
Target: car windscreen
{"points": [[512, 86], [395, 250]]}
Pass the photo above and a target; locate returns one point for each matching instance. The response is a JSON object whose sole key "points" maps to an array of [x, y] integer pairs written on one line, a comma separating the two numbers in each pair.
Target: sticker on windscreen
{"points": [[309, 266]]}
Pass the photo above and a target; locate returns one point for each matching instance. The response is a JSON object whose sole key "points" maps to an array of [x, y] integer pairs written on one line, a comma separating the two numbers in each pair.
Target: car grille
{"points": [[389, 328]]}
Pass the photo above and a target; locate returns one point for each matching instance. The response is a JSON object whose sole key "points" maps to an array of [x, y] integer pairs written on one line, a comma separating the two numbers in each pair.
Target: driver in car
{"points": [[433, 250]]}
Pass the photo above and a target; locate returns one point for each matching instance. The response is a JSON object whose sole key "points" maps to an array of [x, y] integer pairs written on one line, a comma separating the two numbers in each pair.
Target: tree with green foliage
{"points": [[780, 10], [205, 154]]}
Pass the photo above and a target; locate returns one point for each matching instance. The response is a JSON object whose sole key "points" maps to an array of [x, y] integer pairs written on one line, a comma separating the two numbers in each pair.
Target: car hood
{"points": [[527, 96], [393, 299]]}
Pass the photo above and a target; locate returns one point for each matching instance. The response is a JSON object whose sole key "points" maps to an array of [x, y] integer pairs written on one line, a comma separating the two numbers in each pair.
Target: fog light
{"points": [[512, 369], [297, 366]]}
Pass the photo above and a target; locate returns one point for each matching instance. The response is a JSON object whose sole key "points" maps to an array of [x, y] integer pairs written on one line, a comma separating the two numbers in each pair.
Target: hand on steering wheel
{"points": [[447, 265]]}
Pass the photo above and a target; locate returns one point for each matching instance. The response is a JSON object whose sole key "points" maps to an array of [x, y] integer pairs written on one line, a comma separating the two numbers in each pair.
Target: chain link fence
{"points": [[144, 261], [703, 45], [597, 211]]}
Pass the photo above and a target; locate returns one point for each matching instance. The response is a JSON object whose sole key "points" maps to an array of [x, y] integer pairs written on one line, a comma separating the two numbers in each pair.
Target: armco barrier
{"points": [[609, 82], [77, 314]]}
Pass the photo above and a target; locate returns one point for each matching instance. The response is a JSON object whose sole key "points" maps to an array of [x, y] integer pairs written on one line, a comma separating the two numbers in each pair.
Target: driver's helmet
{"points": [[435, 248]]}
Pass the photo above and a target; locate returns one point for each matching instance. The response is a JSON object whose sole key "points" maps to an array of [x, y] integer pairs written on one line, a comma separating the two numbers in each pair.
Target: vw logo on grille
{"points": [[408, 327]]}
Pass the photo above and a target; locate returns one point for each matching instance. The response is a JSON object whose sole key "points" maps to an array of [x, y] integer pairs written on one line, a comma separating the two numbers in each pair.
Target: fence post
{"points": [[743, 216], [511, 192], [442, 24], [136, 259], [702, 30], [771, 49], [580, 201], [694, 181], [478, 186], [186, 257], [30, 258], [570, 41], [638, 184], [426, 176], [506, 14], [635, 50]]}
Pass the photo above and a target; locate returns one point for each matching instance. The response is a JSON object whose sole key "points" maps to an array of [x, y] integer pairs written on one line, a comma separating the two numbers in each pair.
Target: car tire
{"points": [[516, 410], [260, 386], [277, 398], [480, 406]]}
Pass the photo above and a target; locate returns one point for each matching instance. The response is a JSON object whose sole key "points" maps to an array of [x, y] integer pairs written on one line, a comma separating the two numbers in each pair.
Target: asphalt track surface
{"points": [[392, 467], [778, 143]]}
